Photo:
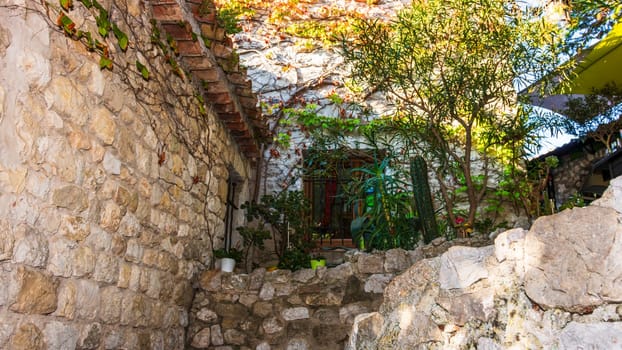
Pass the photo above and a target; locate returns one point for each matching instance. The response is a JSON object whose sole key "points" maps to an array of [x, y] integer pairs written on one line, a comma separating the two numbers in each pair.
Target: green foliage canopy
{"points": [[451, 67], [588, 20]]}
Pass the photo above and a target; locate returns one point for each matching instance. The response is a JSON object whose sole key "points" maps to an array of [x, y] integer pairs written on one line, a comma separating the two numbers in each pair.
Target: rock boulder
{"points": [[573, 259], [557, 285]]}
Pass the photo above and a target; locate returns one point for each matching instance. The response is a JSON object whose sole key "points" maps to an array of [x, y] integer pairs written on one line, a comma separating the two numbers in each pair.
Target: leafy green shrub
{"points": [[388, 220], [576, 200], [233, 253], [294, 259], [285, 217]]}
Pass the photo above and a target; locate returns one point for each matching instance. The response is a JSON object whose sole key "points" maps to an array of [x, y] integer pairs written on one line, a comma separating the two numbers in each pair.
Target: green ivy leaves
{"points": [[105, 62], [66, 23], [143, 70], [121, 37], [104, 27], [102, 19], [66, 4], [201, 104]]}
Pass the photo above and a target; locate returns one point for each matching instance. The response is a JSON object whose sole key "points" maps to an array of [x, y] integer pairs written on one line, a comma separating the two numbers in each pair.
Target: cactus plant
{"points": [[423, 198]]}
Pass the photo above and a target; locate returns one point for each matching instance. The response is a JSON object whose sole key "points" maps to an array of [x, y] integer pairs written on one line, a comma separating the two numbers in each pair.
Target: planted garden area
{"points": [[344, 170]]}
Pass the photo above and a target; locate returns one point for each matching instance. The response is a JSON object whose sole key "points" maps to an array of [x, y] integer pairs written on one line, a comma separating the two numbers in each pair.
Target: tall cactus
{"points": [[423, 198]]}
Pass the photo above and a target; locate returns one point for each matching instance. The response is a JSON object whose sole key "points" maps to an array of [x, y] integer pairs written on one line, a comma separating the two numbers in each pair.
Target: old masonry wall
{"points": [[305, 309], [112, 187]]}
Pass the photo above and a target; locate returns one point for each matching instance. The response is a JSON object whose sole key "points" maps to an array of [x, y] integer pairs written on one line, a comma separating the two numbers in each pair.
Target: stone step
{"points": [[334, 251]]}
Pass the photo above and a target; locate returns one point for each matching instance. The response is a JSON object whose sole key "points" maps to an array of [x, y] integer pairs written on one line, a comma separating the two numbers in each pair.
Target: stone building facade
{"points": [[113, 181], [575, 176]]}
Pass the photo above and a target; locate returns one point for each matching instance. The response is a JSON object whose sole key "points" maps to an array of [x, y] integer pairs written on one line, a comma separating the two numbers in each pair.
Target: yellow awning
{"points": [[599, 65], [596, 66]]}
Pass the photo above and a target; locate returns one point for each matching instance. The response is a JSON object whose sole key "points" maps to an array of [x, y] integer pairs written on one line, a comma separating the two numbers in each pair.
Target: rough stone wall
{"points": [[305, 309], [571, 174], [107, 213], [556, 286]]}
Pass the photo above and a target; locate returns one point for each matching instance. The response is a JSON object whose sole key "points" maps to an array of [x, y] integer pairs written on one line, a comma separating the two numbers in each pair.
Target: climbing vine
{"points": [[104, 26], [175, 108], [323, 21]]}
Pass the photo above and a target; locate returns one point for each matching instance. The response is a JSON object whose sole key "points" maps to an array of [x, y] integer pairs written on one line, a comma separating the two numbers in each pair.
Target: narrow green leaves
{"points": [[91, 44], [66, 4], [66, 23], [103, 22]]}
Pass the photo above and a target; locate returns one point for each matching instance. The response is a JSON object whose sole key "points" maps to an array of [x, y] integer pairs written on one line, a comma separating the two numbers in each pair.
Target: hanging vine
{"points": [[188, 120]]}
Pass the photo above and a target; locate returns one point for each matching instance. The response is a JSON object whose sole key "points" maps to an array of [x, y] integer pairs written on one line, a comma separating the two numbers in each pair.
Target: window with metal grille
{"points": [[326, 177]]}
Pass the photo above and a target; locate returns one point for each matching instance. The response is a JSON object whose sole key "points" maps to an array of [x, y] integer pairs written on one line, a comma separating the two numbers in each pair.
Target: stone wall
{"points": [[572, 173], [112, 187], [556, 286], [305, 309]]}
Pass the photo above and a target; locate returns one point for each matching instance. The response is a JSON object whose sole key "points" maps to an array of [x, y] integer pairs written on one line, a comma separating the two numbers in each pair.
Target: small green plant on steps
{"points": [[253, 238], [285, 217], [233, 253]]}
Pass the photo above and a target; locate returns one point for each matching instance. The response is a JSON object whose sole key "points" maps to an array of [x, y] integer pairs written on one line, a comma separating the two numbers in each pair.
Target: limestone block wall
{"points": [[112, 187], [305, 309]]}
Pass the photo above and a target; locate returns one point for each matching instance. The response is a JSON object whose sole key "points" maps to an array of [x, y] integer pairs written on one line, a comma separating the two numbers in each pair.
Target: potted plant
{"points": [[294, 259], [228, 259], [253, 238], [317, 261], [283, 217]]}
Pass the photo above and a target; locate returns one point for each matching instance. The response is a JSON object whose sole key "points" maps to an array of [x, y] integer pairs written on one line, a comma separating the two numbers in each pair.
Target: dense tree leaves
{"points": [[451, 67], [589, 20]]}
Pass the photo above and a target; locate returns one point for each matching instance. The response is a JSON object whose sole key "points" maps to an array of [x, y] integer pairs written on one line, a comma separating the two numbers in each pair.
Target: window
{"points": [[231, 219], [328, 173]]}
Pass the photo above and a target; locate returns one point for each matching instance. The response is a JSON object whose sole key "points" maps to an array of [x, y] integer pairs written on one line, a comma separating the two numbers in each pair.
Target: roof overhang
{"points": [[597, 66]]}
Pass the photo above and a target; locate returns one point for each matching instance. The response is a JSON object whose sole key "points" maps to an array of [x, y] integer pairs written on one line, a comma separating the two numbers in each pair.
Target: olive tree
{"points": [[451, 68]]}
